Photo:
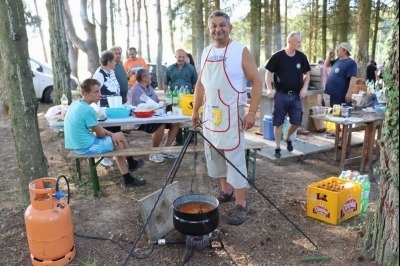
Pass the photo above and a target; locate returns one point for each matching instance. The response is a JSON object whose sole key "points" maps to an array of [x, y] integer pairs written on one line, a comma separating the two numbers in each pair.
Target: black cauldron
{"points": [[195, 214]]}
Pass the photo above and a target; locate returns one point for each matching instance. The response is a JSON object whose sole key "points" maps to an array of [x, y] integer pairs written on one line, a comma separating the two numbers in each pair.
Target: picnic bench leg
{"points": [[78, 169], [251, 156], [95, 177]]}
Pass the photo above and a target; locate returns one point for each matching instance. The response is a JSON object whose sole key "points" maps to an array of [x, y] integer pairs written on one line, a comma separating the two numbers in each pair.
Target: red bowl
{"points": [[143, 113]]}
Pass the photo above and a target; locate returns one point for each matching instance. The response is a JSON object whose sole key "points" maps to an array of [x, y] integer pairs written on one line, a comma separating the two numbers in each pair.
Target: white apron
{"points": [[222, 122]]}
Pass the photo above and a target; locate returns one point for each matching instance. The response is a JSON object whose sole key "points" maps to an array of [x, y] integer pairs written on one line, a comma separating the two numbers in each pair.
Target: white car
{"points": [[42, 76]]}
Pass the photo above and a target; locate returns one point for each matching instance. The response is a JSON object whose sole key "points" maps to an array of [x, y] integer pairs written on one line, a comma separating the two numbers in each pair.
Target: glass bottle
{"points": [[64, 105]]}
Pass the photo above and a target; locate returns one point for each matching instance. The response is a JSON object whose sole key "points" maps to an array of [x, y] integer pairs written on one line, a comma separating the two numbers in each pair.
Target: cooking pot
{"points": [[195, 214], [345, 111]]}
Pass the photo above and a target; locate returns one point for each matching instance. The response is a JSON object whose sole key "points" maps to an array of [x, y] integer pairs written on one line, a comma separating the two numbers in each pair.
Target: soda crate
{"points": [[333, 200]]}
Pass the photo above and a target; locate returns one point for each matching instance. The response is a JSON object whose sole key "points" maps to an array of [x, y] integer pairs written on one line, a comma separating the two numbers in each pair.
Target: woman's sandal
{"points": [[223, 198]]}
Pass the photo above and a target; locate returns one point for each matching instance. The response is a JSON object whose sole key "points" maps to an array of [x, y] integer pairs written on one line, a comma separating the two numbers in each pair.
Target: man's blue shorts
{"points": [[290, 104], [100, 145]]}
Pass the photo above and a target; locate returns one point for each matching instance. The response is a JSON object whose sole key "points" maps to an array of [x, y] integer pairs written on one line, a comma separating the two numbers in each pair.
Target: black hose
{"points": [[66, 181]]}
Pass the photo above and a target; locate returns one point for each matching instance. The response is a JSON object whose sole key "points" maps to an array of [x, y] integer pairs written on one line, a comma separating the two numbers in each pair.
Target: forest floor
{"points": [[266, 238]]}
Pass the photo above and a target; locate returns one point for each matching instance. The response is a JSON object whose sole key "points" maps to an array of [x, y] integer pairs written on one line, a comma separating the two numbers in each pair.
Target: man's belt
{"points": [[290, 92]]}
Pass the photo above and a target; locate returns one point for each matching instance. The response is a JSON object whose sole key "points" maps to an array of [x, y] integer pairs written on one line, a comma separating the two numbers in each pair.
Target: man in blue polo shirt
{"points": [[180, 74]]}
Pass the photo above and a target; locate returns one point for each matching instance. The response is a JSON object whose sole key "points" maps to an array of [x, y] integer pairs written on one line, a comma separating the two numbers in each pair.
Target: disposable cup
{"points": [[114, 101]]}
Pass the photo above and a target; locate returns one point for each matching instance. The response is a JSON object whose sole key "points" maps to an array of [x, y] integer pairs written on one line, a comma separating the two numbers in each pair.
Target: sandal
{"points": [[224, 198], [239, 215], [157, 158]]}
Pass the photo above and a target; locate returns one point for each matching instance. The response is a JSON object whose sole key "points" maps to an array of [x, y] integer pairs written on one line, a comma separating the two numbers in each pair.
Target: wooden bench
{"points": [[251, 157]]}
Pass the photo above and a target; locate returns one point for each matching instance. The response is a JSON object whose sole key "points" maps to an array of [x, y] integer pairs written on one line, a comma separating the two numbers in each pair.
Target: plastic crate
{"points": [[331, 206]]}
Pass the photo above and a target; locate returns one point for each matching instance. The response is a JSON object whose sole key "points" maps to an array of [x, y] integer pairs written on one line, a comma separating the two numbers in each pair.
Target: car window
{"points": [[34, 66]]}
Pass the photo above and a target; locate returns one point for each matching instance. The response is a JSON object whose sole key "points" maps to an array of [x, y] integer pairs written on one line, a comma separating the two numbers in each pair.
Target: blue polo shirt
{"points": [[187, 76]]}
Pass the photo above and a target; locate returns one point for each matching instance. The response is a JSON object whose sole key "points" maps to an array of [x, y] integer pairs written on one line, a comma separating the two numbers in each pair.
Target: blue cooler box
{"points": [[268, 128]]}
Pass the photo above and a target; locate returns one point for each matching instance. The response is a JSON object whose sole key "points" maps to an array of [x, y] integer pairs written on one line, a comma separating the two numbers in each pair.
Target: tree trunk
{"points": [[255, 34], [375, 32], [171, 19], [323, 22], [146, 14], [103, 25], [59, 50], [19, 93], [160, 45], [41, 35], [90, 45], [381, 242], [112, 22], [363, 32], [277, 25], [128, 31], [139, 27], [198, 10], [343, 19], [268, 29]]}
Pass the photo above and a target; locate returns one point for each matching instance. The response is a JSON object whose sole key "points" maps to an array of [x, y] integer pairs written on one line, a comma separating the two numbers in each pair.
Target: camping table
{"points": [[373, 124]]}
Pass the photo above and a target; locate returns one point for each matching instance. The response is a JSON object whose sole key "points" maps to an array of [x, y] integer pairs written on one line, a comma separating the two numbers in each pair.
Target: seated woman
{"points": [[84, 135], [142, 86]]}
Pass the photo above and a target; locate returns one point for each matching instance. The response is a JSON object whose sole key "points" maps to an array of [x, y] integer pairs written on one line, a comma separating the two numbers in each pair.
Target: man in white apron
{"points": [[221, 89]]}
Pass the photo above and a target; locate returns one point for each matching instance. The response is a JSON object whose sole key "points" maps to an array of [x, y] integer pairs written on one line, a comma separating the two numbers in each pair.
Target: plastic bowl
{"points": [[380, 109], [117, 112], [143, 113]]}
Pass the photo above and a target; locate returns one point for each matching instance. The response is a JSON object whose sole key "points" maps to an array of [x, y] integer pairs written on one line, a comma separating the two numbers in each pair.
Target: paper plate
{"points": [[354, 119], [368, 110], [337, 119]]}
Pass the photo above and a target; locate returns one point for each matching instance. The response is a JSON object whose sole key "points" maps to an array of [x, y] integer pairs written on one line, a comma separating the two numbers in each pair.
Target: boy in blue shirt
{"points": [[84, 135]]}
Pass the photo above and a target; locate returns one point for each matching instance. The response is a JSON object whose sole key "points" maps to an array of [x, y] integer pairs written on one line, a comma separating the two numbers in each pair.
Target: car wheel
{"points": [[48, 95]]}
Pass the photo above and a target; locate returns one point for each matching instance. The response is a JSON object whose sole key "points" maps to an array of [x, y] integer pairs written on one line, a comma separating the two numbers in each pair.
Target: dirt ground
{"points": [[266, 238]]}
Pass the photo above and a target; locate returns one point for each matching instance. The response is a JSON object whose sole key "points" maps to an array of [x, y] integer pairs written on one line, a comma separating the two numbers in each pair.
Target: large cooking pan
{"points": [[195, 214]]}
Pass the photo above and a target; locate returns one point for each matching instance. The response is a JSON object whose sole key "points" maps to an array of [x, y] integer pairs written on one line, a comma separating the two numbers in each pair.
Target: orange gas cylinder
{"points": [[48, 222]]}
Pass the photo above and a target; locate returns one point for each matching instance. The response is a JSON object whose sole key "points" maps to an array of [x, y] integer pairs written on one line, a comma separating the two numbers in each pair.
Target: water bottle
{"points": [[64, 105], [175, 101], [366, 187], [187, 90], [168, 99]]}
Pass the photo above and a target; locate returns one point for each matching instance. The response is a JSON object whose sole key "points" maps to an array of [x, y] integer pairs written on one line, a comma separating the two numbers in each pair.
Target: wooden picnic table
{"points": [[370, 122]]}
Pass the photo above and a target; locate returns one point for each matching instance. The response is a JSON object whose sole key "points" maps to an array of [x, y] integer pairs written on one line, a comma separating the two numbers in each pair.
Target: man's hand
{"points": [[303, 93], [270, 93], [249, 120], [119, 140], [348, 97]]}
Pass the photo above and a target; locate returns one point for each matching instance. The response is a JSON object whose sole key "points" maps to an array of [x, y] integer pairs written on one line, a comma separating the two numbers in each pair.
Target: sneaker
{"points": [[289, 145], [170, 155], [239, 215], [157, 158], [330, 136], [136, 164], [106, 162], [135, 183], [277, 153]]}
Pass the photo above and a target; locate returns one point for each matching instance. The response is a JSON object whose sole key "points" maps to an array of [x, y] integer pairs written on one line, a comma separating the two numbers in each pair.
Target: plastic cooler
{"points": [[268, 128]]}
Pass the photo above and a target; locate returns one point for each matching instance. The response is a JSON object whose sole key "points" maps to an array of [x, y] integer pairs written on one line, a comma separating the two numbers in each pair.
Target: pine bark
{"points": [[381, 242], [59, 50], [19, 93], [363, 32]]}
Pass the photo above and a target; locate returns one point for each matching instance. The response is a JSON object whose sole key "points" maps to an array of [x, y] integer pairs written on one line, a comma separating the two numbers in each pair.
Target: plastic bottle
{"points": [[175, 101], [366, 187], [168, 96], [64, 105]]}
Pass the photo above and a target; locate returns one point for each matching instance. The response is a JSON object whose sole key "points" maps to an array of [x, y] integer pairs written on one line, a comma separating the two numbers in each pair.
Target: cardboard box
{"points": [[333, 200]]}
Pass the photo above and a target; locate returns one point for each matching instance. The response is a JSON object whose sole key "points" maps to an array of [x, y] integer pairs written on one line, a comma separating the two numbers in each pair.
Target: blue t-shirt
{"points": [[187, 76], [288, 70], [339, 77], [78, 121]]}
